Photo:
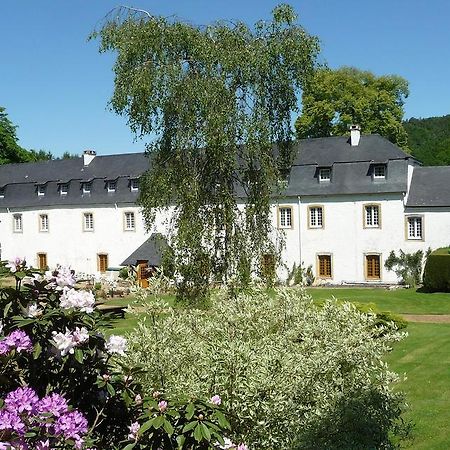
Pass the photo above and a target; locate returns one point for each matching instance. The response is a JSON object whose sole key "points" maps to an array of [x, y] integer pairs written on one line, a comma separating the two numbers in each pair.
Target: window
{"points": [[379, 171], [63, 188], [43, 222], [88, 222], [111, 185], [414, 228], [130, 223], [102, 262], [134, 185], [315, 217], [372, 217], [17, 223], [42, 261], [325, 174], [285, 217], [87, 187], [41, 190], [324, 266], [2, 192], [373, 271]]}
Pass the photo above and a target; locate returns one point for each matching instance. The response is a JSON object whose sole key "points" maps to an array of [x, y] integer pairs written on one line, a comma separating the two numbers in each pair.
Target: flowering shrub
{"points": [[290, 374], [51, 340], [52, 354], [27, 422]]}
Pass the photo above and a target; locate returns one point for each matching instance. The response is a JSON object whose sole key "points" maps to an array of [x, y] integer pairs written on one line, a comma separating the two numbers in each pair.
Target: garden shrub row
{"points": [[436, 276]]}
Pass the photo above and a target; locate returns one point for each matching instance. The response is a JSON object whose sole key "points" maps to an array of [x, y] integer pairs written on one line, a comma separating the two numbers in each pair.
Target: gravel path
{"points": [[427, 318]]}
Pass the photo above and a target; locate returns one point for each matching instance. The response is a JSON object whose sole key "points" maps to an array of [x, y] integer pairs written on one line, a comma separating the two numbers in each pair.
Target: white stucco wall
{"points": [[67, 243]]}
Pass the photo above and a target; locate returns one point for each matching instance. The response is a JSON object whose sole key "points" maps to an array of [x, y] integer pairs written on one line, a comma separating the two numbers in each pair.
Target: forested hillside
{"points": [[429, 139]]}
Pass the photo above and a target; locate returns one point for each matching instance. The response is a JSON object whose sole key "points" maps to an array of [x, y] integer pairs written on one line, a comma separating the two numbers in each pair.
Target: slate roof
{"points": [[151, 250], [351, 173], [430, 186], [20, 180]]}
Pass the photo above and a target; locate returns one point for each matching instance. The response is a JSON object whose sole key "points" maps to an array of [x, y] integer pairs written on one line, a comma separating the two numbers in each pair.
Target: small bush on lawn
{"points": [[436, 277], [62, 386], [291, 374]]}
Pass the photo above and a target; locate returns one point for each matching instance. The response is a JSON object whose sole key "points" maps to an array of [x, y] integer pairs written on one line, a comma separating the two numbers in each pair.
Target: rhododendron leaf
{"points": [[158, 421], [205, 431], [198, 435], [6, 309], [223, 422], [79, 355], [180, 440], [189, 426], [111, 389], [145, 426], [168, 427], [190, 411], [37, 350], [130, 446]]}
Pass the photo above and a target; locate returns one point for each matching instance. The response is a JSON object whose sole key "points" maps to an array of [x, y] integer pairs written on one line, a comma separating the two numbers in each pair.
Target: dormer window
{"points": [[87, 186], [2, 192], [111, 185], [134, 185], [325, 174], [379, 172], [41, 190], [63, 188]]}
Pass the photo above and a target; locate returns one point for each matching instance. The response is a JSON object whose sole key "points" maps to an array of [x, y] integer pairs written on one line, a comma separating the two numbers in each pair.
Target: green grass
{"points": [[406, 301], [425, 359]]}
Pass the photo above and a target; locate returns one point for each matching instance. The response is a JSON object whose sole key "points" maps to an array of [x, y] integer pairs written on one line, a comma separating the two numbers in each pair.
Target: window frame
{"points": [[84, 216], [41, 228], [99, 263], [365, 224], [63, 189], [374, 169], [109, 183], [325, 180], [279, 225], [422, 227], [17, 218], [316, 227], [41, 190], [366, 266], [125, 222], [318, 274], [86, 187], [134, 184]]}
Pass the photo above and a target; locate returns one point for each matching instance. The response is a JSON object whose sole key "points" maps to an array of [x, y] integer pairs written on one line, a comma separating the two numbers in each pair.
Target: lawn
{"points": [[423, 356]]}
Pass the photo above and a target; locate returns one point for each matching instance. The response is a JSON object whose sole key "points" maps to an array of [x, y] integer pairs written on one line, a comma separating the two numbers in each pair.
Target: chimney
{"points": [[355, 135], [88, 156]]}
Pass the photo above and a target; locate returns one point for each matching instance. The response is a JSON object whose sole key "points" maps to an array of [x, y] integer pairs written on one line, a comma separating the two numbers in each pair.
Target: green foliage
{"points": [[123, 273], [436, 277], [300, 276], [429, 139], [407, 266], [216, 98], [285, 369], [338, 98], [10, 150]]}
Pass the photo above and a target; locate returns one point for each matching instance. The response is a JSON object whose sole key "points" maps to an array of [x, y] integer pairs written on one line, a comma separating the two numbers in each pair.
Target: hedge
{"points": [[436, 277]]}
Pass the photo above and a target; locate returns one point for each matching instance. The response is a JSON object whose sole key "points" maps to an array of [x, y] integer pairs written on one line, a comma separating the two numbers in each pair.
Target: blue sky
{"points": [[55, 85]]}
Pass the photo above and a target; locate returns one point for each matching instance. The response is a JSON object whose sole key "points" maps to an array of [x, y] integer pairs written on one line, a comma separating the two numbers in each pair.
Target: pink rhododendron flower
{"points": [[16, 264], [116, 344], [162, 405], [134, 429], [216, 400]]}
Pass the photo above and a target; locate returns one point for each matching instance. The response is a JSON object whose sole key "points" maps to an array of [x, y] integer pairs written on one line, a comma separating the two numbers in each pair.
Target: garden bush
{"points": [[63, 387], [291, 374], [436, 277]]}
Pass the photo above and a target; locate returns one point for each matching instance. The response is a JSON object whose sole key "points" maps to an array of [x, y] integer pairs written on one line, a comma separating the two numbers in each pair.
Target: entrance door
{"points": [[142, 273]]}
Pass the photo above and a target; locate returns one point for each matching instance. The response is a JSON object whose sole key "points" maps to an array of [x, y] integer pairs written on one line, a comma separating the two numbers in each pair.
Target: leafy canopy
{"points": [[336, 99], [217, 98]]}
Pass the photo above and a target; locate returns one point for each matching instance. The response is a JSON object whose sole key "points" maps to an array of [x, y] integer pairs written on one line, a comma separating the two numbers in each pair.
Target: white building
{"points": [[348, 203]]}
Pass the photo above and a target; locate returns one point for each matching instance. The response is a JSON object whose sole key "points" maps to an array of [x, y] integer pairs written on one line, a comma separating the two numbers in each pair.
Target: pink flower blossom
{"points": [[216, 400], [162, 405], [134, 429]]}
